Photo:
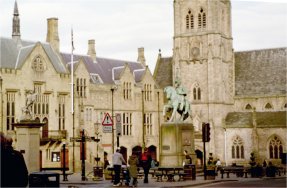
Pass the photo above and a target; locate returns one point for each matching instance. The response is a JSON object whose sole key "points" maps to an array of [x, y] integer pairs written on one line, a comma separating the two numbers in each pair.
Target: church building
{"points": [[242, 95]]}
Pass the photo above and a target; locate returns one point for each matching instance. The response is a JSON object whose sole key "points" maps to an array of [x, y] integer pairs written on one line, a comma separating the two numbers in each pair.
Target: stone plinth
{"points": [[28, 143], [174, 139]]}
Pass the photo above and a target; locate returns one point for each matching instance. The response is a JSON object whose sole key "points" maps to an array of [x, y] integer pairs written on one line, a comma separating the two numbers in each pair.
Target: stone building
{"points": [[241, 94], [102, 86]]}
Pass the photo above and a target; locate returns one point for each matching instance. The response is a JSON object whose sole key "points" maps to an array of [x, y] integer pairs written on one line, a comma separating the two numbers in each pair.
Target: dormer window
{"points": [[96, 79]]}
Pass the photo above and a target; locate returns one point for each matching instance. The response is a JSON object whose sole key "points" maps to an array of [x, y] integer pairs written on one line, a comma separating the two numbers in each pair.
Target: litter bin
{"points": [[44, 179], [191, 171], [98, 172]]}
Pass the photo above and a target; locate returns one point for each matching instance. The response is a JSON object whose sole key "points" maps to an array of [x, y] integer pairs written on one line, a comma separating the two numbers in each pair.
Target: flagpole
{"points": [[72, 96]]}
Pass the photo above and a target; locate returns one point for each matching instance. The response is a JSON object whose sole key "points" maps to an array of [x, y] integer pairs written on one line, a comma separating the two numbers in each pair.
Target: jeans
{"points": [[117, 170]]}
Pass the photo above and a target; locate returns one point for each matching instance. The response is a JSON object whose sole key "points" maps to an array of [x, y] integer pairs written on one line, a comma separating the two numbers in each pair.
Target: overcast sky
{"points": [[120, 27]]}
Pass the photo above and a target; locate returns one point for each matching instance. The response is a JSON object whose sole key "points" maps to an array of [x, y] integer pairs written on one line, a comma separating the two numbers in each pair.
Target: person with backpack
{"points": [[146, 163]]}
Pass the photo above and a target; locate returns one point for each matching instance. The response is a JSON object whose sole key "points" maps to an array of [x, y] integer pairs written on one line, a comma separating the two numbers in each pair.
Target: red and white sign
{"points": [[107, 121]]}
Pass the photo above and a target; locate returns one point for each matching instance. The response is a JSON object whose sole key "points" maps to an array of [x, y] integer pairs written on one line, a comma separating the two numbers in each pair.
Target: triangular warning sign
{"points": [[107, 120]]}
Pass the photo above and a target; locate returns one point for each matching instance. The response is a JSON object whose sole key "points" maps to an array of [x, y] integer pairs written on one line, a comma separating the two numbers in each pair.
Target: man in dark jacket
{"points": [[14, 172]]}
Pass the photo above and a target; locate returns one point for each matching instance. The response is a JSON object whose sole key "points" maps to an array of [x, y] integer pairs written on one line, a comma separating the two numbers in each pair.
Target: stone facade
{"points": [[224, 84], [101, 86], [241, 94]]}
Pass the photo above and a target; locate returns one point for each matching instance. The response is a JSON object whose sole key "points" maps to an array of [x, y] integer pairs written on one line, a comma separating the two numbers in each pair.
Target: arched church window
{"points": [[189, 20], [202, 19], [237, 148], [268, 106], [196, 92], [248, 107], [199, 20], [275, 148]]}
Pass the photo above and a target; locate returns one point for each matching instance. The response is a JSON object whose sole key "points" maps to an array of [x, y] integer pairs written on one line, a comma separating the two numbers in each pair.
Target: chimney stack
{"points": [[141, 58], [91, 49], [52, 34]]}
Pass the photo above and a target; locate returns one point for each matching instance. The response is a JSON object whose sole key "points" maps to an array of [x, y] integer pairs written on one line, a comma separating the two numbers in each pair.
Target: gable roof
{"points": [[108, 69], [163, 72], [13, 57], [261, 72]]}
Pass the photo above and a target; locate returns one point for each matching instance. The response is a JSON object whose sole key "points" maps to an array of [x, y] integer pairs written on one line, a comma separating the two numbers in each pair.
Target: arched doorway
{"points": [[199, 158], [152, 151], [124, 152], [137, 150]]}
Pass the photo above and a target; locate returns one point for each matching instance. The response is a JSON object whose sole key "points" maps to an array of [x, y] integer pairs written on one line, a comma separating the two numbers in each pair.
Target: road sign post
{"points": [[118, 127]]}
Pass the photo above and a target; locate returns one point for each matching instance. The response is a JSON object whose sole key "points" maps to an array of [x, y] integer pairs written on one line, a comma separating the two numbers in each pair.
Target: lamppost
{"points": [[98, 172], [1, 103], [97, 140]]}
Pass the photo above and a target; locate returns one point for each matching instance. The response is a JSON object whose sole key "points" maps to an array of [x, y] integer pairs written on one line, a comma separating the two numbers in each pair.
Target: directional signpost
{"points": [[83, 139]]}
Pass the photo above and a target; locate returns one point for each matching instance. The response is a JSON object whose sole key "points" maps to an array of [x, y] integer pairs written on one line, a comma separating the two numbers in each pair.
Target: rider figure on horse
{"points": [[181, 92]]}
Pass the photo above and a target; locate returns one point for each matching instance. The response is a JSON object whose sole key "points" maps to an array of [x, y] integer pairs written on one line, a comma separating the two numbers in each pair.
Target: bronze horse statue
{"points": [[174, 103]]}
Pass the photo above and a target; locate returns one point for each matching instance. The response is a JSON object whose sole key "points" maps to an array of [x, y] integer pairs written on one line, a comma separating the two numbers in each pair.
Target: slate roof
{"points": [[13, 58], [263, 119], [106, 68], [163, 72], [261, 72]]}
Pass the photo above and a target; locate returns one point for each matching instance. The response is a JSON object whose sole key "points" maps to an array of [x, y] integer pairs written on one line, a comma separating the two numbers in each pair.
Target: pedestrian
{"points": [[218, 164], [133, 169], [14, 171], [264, 163], [118, 161], [146, 163], [106, 161], [187, 159]]}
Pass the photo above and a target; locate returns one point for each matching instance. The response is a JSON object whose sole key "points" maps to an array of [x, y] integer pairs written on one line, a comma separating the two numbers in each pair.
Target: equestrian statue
{"points": [[177, 102]]}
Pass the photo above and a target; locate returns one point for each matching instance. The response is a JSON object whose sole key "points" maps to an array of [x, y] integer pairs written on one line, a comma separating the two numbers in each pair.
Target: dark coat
{"points": [[14, 172], [133, 162]]}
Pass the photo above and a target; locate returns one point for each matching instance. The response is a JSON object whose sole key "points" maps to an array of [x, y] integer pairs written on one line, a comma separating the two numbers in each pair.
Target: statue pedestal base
{"points": [[174, 139], [28, 143]]}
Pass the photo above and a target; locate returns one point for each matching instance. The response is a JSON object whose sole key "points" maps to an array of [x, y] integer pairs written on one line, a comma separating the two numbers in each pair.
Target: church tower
{"points": [[203, 60]]}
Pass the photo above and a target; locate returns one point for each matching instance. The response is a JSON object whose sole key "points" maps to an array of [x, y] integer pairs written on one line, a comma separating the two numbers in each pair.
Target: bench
{"points": [[182, 176], [158, 176], [239, 171], [58, 169]]}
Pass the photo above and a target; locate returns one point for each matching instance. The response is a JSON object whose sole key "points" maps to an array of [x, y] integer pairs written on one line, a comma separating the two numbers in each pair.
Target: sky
{"points": [[120, 27]]}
